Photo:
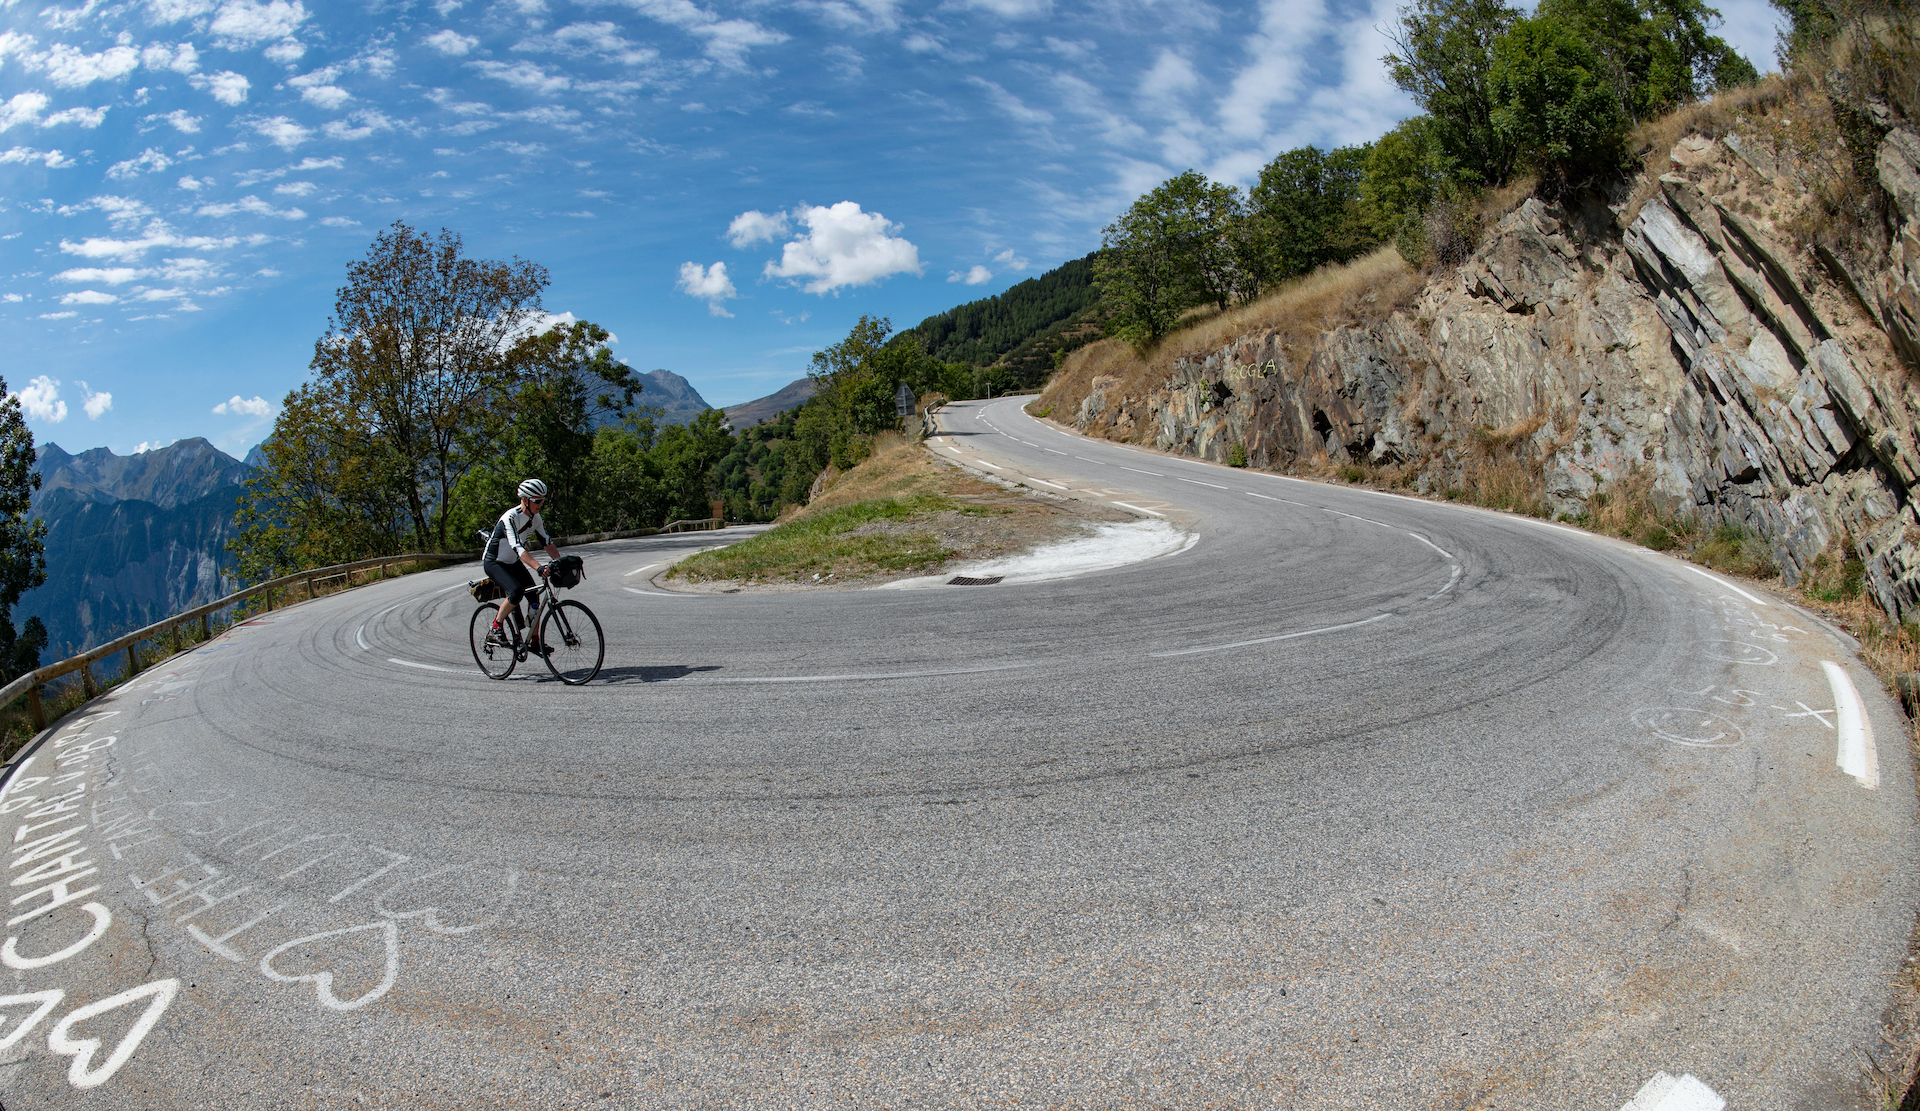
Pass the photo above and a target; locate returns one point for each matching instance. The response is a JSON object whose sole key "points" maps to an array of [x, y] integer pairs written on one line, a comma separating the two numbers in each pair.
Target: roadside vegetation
{"points": [[898, 512]]}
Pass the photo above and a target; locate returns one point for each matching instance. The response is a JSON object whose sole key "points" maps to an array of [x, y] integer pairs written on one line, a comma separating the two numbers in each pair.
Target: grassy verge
{"points": [[830, 544], [877, 519]]}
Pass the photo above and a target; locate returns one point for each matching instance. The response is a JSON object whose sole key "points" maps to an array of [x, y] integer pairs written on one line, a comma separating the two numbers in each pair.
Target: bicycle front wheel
{"points": [[495, 660], [575, 649]]}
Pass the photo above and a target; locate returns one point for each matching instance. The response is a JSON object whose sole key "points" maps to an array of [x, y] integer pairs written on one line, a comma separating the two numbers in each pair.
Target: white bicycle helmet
{"points": [[533, 488]]}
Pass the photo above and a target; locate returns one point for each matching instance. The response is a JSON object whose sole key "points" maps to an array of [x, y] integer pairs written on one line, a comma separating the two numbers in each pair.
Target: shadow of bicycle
{"points": [[657, 674]]}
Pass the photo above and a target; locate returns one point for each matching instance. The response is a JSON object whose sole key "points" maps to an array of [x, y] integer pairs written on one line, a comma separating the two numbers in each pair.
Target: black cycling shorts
{"points": [[514, 578]]}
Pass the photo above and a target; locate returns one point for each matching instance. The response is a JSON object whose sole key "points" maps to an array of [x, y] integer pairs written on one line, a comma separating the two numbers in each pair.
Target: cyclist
{"points": [[507, 561]]}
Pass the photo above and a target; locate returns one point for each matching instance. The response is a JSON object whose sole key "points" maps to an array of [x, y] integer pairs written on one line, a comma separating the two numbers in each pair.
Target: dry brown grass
{"points": [[1361, 292]]}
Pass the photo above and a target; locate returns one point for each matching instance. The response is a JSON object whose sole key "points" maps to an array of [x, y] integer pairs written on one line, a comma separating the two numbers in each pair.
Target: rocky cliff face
{"points": [[1682, 336]]}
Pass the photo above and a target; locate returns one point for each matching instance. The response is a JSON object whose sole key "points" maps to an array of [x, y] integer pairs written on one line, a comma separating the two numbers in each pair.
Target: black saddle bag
{"points": [[567, 572]]}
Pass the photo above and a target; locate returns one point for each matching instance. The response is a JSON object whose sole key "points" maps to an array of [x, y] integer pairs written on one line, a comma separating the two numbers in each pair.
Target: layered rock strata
{"points": [[1683, 334]]}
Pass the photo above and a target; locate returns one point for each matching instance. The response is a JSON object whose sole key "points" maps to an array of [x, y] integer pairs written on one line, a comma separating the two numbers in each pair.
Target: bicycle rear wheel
{"points": [[575, 649], [495, 660]]}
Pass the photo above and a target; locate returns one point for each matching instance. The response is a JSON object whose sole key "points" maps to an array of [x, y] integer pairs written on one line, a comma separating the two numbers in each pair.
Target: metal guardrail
{"points": [[29, 685]]}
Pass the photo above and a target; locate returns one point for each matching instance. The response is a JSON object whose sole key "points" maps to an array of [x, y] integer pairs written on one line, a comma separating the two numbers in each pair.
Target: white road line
{"points": [[656, 593], [1265, 497], [1044, 482], [1137, 508], [1197, 482], [1857, 755], [1675, 1093], [1717, 581], [995, 466], [360, 635], [1270, 640], [1095, 462], [427, 667], [637, 570], [1137, 470], [1050, 451], [852, 678]]}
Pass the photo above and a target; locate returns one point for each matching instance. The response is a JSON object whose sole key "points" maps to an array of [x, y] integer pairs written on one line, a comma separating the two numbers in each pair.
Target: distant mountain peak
{"points": [[168, 477]]}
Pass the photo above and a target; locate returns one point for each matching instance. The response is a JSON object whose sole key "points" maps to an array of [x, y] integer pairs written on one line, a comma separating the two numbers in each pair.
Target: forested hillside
{"points": [[1021, 329]]}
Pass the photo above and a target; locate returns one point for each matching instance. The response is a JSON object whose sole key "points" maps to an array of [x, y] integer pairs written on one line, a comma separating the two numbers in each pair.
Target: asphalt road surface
{"points": [[1360, 802]]}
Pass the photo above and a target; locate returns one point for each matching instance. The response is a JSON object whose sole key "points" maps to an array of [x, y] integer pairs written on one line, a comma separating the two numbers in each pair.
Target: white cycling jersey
{"points": [[514, 527]]}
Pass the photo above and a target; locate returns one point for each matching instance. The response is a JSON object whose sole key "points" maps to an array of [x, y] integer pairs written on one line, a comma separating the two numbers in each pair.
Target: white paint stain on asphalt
{"points": [[1044, 482], [1675, 1093], [1857, 755], [1137, 508]]}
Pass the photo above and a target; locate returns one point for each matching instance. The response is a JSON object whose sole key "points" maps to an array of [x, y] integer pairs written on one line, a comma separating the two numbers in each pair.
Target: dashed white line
{"points": [[995, 466], [1197, 482], [1137, 508], [1095, 462], [1857, 755], [1050, 451], [856, 678], [1263, 497], [427, 667], [1137, 470], [1044, 482], [1270, 640]]}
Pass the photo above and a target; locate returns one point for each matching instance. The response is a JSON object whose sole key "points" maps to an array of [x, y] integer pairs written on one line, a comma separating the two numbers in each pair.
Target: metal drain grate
{"points": [[963, 580]]}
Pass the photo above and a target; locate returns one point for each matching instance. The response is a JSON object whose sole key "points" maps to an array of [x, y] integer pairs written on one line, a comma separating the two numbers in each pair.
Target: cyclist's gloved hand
{"points": [[544, 569]]}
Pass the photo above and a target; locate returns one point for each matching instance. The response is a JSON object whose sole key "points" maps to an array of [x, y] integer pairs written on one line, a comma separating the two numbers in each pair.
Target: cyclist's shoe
{"points": [[496, 636], [539, 648]]}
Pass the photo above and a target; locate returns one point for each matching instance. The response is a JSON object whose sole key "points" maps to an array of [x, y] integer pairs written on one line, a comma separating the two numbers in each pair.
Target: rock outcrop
{"points": [[1683, 334]]}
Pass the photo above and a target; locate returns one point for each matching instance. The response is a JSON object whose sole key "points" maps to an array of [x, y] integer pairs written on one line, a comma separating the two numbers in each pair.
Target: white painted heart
{"points": [[48, 1000], [82, 1074], [472, 886], [322, 981]]}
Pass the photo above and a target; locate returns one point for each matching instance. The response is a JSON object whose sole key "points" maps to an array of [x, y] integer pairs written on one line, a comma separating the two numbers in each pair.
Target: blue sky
{"points": [[724, 186]]}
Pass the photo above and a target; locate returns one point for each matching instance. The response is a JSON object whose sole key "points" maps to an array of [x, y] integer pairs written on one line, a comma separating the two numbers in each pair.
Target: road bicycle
{"points": [[569, 636]]}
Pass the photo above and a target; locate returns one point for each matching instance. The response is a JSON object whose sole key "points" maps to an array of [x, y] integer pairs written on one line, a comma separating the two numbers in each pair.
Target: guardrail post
{"points": [[133, 660], [310, 593], [206, 627], [36, 707], [173, 639], [86, 680]]}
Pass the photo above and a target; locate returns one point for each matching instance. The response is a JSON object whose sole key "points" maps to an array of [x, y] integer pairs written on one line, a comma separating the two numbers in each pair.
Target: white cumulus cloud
{"points": [[113, 275], [242, 23], [97, 403], [149, 161], [709, 283], [85, 117], [226, 86], [23, 109], [180, 59], [978, 275], [88, 297], [70, 67], [844, 247], [253, 205], [282, 132], [41, 397], [236, 405], [754, 226], [451, 43]]}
